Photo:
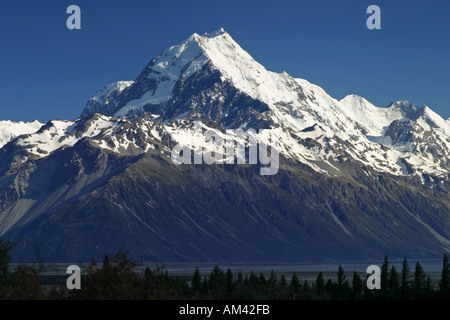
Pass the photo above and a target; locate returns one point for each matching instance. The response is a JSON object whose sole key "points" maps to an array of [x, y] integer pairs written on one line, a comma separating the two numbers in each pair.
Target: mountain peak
{"points": [[99, 102], [373, 118], [352, 98], [216, 33], [216, 49], [155, 84], [401, 104]]}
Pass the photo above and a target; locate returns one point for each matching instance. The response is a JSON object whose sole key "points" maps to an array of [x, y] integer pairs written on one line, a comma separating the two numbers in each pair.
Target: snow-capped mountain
{"points": [[99, 103], [281, 102], [10, 129], [349, 171]]}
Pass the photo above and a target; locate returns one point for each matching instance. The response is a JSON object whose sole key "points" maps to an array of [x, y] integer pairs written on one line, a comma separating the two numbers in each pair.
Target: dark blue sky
{"points": [[49, 72]]}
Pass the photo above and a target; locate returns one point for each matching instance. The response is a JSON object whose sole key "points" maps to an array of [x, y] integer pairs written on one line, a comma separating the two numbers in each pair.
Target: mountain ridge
{"points": [[354, 181]]}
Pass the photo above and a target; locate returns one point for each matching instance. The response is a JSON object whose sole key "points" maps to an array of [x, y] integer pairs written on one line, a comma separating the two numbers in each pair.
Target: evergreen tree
{"points": [[419, 281], [330, 289], [239, 287], [357, 287], [294, 286], [196, 283], [384, 278], [253, 285], [394, 283], [320, 285], [240, 278], [116, 279], [148, 282], [106, 263], [180, 287], [216, 284], [25, 284], [262, 280], [306, 291], [205, 284], [229, 284], [274, 291], [5, 258], [405, 280], [429, 289], [253, 280], [283, 282], [113, 281], [342, 284], [340, 276], [444, 283], [273, 277]]}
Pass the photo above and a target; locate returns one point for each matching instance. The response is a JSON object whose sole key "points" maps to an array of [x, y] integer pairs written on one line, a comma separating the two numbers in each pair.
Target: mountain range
{"points": [[355, 181]]}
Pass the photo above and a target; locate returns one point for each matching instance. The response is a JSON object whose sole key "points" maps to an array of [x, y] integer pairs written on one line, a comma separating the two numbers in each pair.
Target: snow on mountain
{"points": [[435, 121], [243, 71], [112, 167], [9, 130], [62, 134], [417, 136], [120, 136], [373, 118], [313, 127], [98, 103], [175, 62], [50, 137], [281, 92]]}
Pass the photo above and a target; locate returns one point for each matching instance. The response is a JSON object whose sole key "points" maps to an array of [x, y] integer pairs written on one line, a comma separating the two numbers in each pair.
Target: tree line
{"points": [[116, 278]]}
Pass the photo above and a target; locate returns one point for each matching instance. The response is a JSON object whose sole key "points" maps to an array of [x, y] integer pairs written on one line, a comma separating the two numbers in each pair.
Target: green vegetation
{"points": [[116, 279]]}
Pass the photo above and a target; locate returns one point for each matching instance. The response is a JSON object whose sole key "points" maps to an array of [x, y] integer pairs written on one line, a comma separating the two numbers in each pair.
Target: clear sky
{"points": [[49, 72]]}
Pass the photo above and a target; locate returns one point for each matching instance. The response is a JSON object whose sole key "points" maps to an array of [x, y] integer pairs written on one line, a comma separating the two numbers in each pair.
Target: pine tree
{"points": [[262, 286], [148, 282], [205, 284], [429, 292], [384, 278], [273, 277], [239, 286], [239, 278], [216, 283], [357, 286], [196, 283], [394, 283], [262, 279], [25, 284], [294, 286], [5, 258], [320, 285], [105, 263], [306, 291], [273, 289], [283, 282], [405, 280], [342, 285], [229, 284], [330, 289], [341, 276], [444, 283], [253, 284], [419, 281]]}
